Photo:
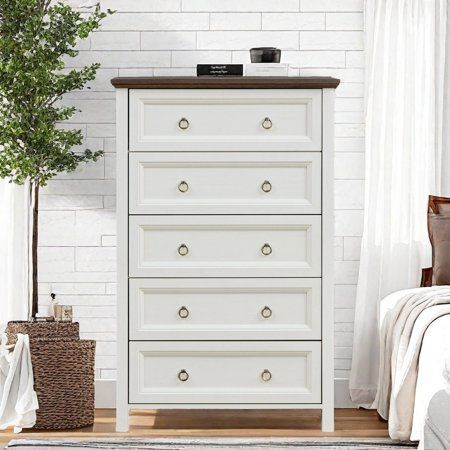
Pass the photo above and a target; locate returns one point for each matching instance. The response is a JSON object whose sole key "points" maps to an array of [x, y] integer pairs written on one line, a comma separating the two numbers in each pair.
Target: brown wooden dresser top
{"points": [[206, 82]]}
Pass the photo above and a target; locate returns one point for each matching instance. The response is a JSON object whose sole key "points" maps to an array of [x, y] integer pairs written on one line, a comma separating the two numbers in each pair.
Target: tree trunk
{"points": [[34, 248]]}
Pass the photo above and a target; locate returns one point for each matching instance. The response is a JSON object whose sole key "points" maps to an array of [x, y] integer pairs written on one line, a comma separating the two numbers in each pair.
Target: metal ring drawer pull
{"points": [[266, 249], [183, 312], [183, 375], [266, 375], [266, 312], [267, 123], [183, 123], [183, 250], [183, 186], [266, 186]]}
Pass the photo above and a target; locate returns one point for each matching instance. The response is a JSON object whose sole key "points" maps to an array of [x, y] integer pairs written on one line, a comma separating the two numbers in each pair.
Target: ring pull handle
{"points": [[266, 376], [183, 123], [183, 186], [183, 250], [266, 249], [266, 186], [183, 312], [266, 312], [266, 123], [183, 375]]}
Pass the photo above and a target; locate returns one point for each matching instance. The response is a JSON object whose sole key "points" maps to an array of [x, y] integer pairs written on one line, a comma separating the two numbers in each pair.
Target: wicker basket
{"points": [[62, 330], [64, 372]]}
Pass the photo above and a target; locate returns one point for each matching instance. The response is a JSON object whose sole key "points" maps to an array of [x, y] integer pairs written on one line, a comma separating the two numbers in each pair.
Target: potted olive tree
{"points": [[36, 37]]}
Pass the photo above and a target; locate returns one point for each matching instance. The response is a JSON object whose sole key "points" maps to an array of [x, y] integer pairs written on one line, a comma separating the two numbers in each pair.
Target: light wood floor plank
{"points": [[229, 423]]}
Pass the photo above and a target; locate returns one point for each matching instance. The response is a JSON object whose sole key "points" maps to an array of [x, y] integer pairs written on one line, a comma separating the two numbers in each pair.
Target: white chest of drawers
{"points": [[225, 244]]}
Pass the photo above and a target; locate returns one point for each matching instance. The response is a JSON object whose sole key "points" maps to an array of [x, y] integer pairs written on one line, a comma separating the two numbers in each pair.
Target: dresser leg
{"points": [[327, 419], [122, 420]]}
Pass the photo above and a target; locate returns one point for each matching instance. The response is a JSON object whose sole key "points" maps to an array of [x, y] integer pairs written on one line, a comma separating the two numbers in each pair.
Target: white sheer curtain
{"points": [[405, 69], [14, 254], [446, 115]]}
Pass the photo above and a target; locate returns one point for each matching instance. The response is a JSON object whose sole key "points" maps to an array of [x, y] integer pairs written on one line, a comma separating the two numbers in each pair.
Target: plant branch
{"points": [[34, 250]]}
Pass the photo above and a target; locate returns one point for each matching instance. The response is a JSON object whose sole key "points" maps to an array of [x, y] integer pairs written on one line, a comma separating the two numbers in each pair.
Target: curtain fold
{"points": [[14, 252], [445, 131], [404, 92]]}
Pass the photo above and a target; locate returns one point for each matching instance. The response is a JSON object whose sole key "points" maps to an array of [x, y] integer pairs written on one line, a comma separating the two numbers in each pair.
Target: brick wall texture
{"points": [[169, 37]]}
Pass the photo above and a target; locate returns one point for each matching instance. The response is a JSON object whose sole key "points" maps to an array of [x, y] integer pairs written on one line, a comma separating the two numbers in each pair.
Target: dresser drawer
{"points": [[225, 309], [225, 372], [225, 246], [225, 183], [233, 120]]}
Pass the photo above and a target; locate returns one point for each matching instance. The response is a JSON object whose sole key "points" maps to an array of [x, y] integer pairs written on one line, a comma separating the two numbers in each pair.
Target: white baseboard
{"points": [[341, 394], [105, 394]]}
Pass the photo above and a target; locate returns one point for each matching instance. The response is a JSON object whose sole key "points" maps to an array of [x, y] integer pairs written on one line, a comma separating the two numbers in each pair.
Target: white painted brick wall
{"points": [[169, 37]]}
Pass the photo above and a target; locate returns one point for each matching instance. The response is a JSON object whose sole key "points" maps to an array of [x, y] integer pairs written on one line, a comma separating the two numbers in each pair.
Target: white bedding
{"points": [[412, 321], [430, 379]]}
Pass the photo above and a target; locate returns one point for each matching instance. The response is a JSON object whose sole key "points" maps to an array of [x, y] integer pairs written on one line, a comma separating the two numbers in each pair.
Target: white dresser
{"points": [[225, 244]]}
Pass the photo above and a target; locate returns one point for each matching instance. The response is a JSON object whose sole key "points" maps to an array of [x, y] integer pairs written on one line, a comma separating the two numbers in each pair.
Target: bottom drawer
{"points": [[225, 372]]}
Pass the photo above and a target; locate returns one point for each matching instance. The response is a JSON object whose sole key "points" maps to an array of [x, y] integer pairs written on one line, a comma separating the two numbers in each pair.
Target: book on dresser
{"points": [[220, 70], [225, 243], [267, 70]]}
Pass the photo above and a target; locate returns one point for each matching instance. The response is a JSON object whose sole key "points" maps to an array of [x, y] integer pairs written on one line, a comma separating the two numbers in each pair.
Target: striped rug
{"points": [[211, 444]]}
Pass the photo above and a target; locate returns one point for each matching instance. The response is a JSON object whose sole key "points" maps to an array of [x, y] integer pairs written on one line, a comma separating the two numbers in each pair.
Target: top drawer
{"points": [[225, 120]]}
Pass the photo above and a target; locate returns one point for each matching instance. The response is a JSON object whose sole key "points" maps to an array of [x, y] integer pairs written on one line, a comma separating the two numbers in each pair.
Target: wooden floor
{"points": [[230, 423]]}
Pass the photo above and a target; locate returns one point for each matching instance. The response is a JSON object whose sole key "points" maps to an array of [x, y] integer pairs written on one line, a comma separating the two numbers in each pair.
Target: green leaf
{"points": [[37, 37]]}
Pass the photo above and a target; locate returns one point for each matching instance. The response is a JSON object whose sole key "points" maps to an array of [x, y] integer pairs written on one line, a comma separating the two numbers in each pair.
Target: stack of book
{"points": [[250, 70]]}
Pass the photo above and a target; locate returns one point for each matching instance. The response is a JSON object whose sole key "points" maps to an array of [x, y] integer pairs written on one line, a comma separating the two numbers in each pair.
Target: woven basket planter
{"points": [[64, 372], [62, 330]]}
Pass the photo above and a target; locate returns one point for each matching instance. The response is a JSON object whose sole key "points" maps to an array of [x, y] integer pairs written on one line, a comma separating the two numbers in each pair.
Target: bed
{"points": [[431, 377], [436, 435], [415, 343]]}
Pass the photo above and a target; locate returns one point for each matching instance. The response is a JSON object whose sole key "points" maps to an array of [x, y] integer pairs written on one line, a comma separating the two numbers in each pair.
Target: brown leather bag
{"points": [[439, 233]]}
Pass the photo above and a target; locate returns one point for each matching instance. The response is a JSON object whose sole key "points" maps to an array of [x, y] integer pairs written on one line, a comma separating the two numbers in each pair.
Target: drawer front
{"points": [[234, 120], [225, 372], [225, 309], [225, 246], [225, 183]]}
